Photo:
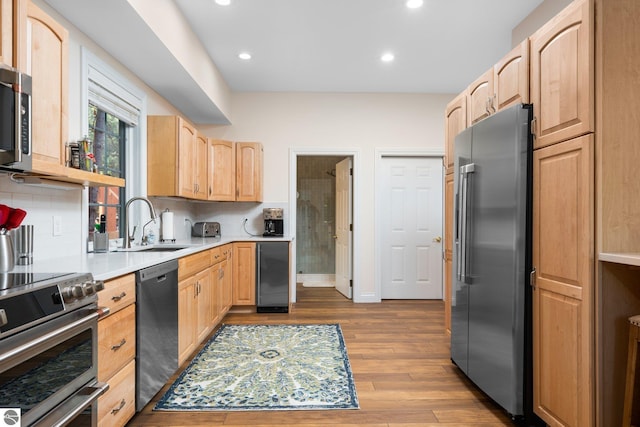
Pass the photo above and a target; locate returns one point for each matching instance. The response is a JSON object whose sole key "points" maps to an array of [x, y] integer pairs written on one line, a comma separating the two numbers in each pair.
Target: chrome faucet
{"points": [[128, 238]]}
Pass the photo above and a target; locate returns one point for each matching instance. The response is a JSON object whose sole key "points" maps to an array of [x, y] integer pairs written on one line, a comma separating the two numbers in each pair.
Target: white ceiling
{"points": [[309, 45], [335, 45]]}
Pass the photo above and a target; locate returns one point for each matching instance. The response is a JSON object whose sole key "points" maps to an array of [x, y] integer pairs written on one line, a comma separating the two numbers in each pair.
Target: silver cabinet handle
{"points": [[119, 297], [117, 346], [119, 408]]}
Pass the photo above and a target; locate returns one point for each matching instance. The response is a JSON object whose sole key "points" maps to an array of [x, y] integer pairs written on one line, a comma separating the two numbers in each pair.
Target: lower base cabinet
{"points": [[118, 405], [116, 352]]}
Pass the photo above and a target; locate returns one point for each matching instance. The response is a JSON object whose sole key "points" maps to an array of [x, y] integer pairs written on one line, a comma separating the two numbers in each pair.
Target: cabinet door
{"points": [[448, 248], [186, 159], [511, 78], [244, 273], [214, 294], [6, 32], [46, 62], [249, 173], [455, 122], [222, 179], [563, 294], [479, 96], [200, 167], [226, 287], [203, 297], [187, 319], [562, 76]]}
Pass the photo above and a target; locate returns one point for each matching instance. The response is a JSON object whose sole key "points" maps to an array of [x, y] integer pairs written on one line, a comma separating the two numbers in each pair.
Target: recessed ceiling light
{"points": [[223, 2], [387, 57], [244, 55], [414, 4]]}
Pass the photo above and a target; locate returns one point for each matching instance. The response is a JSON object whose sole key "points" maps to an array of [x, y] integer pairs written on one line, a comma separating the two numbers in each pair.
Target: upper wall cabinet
{"points": [[222, 176], [562, 76], [480, 95], [6, 32], [249, 171], [46, 62], [455, 122], [176, 157], [511, 78]]}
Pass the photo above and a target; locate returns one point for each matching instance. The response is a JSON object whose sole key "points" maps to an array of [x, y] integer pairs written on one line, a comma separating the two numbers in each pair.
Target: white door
{"points": [[411, 226], [344, 232]]}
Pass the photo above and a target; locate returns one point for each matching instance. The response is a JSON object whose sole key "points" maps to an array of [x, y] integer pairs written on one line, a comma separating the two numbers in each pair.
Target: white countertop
{"points": [[108, 265]]}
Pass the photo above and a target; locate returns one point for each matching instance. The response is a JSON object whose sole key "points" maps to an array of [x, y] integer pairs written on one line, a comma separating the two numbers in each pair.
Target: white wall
{"points": [[360, 123]]}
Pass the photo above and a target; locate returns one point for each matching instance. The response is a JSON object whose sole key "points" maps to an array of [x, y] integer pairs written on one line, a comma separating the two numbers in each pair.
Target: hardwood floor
{"points": [[399, 355]]}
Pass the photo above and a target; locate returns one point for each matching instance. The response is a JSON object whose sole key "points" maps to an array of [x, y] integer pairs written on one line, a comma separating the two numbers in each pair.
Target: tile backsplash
{"points": [[43, 205]]}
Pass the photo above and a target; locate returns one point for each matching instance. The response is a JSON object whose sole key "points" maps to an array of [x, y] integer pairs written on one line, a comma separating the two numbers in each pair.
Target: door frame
{"points": [[293, 200], [377, 216]]}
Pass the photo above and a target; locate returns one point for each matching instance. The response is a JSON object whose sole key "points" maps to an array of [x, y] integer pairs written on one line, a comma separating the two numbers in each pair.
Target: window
{"points": [[107, 134], [112, 123]]}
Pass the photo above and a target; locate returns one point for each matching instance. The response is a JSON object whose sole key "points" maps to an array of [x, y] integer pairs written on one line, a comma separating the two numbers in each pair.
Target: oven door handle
{"points": [[41, 340], [73, 406]]}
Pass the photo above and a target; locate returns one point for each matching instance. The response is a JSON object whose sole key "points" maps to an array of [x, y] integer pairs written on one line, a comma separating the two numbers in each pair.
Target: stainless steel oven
{"points": [[48, 349]]}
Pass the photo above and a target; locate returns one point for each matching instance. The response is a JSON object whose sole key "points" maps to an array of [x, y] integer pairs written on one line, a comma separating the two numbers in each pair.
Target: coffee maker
{"points": [[273, 222]]}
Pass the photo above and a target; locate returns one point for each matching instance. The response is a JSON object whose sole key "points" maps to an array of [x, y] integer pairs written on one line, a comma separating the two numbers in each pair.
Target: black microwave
{"points": [[15, 120]]}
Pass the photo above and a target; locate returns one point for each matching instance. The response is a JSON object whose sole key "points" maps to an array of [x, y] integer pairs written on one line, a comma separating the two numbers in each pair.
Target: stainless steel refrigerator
{"points": [[491, 298]]}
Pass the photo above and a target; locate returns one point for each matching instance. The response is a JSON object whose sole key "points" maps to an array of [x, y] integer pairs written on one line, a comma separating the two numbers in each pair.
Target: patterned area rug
{"points": [[266, 367]]}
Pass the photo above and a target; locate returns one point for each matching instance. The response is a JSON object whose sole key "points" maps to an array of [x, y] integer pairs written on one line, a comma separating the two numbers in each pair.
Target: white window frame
{"points": [[120, 93]]}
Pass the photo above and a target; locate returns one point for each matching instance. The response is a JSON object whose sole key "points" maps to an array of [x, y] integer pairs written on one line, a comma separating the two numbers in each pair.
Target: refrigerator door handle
{"points": [[464, 256]]}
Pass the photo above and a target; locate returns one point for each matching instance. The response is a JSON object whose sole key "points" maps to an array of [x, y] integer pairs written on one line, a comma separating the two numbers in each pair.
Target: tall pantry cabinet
{"points": [[562, 82]]}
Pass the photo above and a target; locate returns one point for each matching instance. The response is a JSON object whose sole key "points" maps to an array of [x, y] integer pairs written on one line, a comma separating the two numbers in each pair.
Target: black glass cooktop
{"points": [[15, 280]]}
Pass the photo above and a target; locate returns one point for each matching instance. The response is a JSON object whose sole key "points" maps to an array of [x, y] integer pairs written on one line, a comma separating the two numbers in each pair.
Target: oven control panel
{"points": [[73, 292]]}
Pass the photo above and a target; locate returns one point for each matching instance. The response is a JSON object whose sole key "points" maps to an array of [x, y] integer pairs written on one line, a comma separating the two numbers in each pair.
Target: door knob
{"points": [[437, 239]]}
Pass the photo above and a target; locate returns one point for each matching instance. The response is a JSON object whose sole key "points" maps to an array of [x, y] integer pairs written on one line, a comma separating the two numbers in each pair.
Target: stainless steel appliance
{"points": [[48, 348], [273, 222], [15, 120], [205, 229], [272, 278], [491, 298], [156, 329]]}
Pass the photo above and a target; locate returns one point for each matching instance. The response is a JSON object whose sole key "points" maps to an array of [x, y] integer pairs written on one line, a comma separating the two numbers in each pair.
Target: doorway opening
{"points": [[321, 209], [316, 220]]}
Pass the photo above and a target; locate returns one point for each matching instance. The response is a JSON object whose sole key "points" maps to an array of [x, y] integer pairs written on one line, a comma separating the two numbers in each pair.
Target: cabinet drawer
{"points": [[192, 264], [117, 405], [118, 293], [116, 341], [216, 255], [225, 251]]}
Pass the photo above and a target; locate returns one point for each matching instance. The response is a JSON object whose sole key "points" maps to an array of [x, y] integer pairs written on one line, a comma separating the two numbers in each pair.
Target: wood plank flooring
{"points": [[399, 355]]}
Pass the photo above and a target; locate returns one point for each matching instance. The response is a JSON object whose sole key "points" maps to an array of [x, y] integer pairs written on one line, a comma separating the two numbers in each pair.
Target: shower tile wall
{"points": [[315, 214]]}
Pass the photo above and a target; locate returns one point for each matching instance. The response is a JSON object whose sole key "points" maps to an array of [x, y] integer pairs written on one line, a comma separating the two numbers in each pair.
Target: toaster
{"points": [[205, 229]]}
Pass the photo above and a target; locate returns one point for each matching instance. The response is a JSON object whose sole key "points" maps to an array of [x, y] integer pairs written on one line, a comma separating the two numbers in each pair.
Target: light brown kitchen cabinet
{"points": [[6, 32], [479, 98], [562, 75], [194, 302], [201, 167], [226, 279], [511, 78], [44, 58], [187, 320], [249, 171], [455, 121], [116, 351], [221, 283], [448, 248], [222, 176], [244, 273], [176, 158], [563, 327]]}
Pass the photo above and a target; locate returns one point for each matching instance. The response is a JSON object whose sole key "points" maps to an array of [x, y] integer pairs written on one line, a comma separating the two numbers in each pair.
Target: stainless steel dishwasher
{"points": [[156, 329]]}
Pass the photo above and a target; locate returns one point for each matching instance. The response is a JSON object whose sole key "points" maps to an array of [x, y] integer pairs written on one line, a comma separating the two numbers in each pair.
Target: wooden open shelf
{"points": [[621, 258], [56, 172]]}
